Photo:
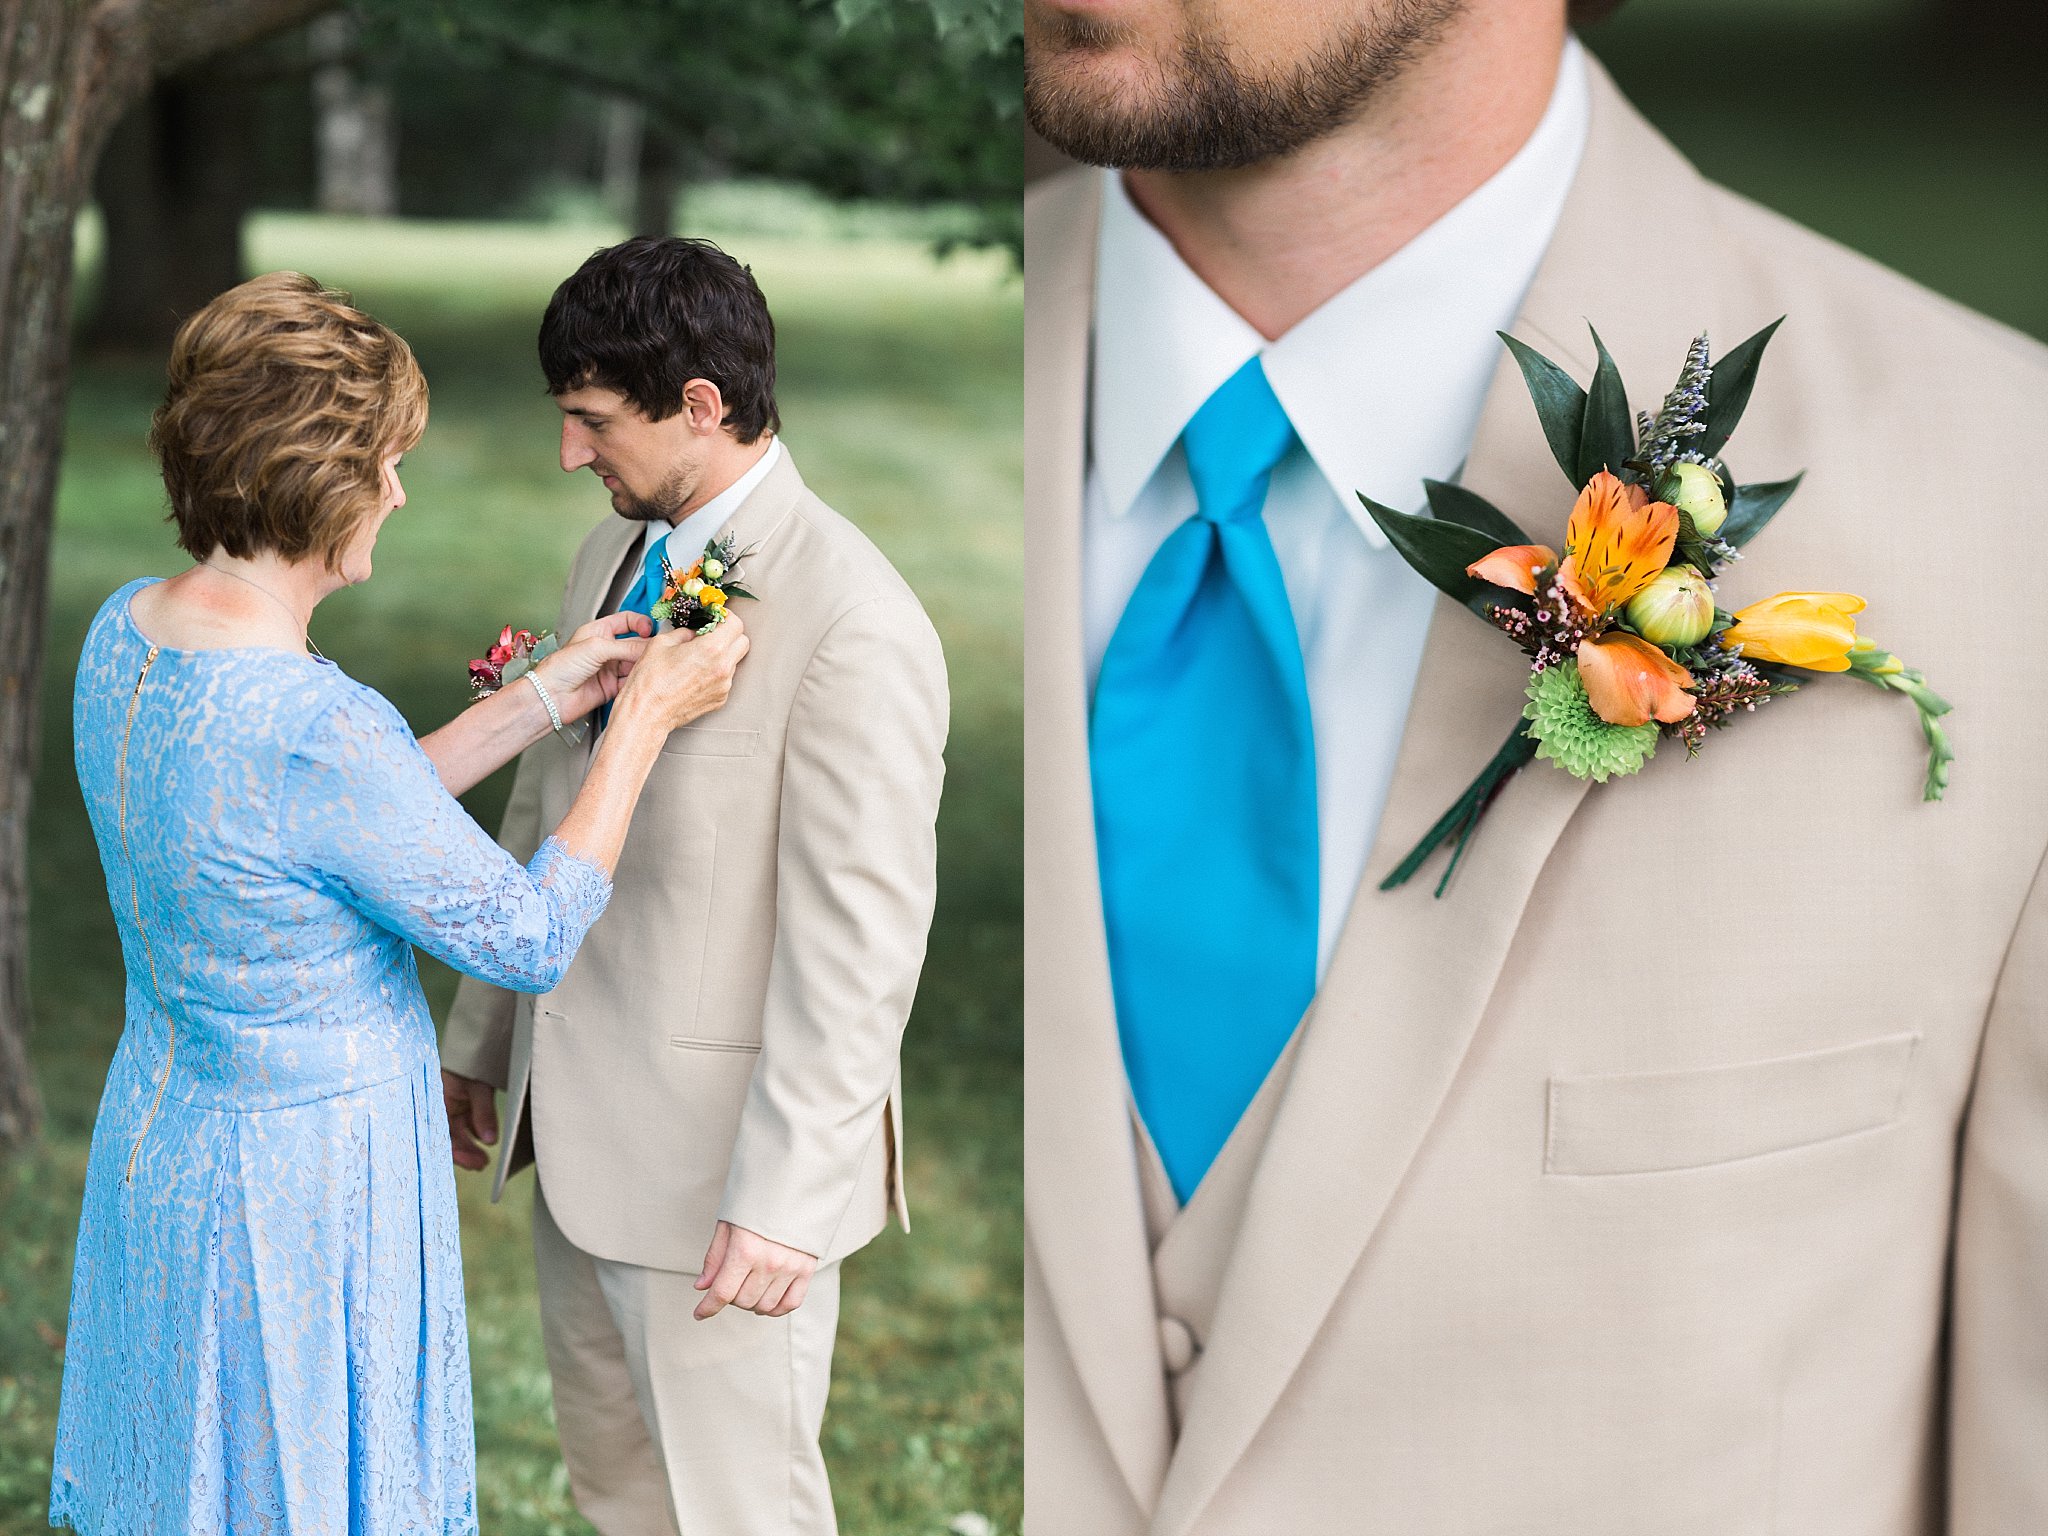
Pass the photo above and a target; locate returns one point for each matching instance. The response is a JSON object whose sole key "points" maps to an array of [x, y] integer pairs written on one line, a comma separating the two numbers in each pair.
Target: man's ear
{"points": [[703, 407]]}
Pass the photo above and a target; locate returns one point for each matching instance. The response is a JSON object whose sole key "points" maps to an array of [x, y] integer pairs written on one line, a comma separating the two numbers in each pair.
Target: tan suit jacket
{"points": [[725, 1043], [1685, 1169]]}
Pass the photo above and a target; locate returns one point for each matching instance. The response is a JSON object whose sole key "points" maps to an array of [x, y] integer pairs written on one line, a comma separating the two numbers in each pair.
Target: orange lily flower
{"points": [[1814, 630], [1630, 682], [1514, 566], [1615, 544]]}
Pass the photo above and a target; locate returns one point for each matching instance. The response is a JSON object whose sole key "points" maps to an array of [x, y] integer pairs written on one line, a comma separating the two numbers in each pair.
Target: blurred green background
{"points": [[1914, 130], [900, 388]]}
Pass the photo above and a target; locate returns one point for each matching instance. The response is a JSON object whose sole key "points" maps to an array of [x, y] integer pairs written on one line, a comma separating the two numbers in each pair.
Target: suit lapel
{"points": [[615, 542], [1412, 976], [1084, 1218], [753, 523]]}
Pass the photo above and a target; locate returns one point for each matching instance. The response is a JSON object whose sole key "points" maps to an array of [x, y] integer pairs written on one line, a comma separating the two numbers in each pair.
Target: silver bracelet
{"points": [[547, 701]]}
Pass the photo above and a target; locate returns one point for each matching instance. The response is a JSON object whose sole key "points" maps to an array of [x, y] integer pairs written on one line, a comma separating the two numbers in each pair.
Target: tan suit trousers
{"points": [[675, 1427]]}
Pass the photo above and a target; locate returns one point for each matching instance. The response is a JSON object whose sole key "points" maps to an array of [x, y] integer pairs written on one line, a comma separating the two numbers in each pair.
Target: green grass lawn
{"points": [[901, 399]]}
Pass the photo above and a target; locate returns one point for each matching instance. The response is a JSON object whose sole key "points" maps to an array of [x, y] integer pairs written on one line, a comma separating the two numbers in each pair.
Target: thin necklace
{"points": [[287, 607]]}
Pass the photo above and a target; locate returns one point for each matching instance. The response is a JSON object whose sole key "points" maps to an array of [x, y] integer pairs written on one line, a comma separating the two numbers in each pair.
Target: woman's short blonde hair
{"points": [[284, 401]]}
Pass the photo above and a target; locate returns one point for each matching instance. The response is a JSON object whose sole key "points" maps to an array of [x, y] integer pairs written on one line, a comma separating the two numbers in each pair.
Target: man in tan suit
{"points": [[711, 1097], [1685, 1168]]}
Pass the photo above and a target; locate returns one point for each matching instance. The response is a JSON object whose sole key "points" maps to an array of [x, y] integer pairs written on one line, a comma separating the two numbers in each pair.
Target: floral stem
{"points": [[1462, 819], [1881, 669]]}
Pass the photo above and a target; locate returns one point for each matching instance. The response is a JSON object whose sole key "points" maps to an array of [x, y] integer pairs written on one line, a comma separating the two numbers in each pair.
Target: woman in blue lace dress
{"points": [[266, 1331]]}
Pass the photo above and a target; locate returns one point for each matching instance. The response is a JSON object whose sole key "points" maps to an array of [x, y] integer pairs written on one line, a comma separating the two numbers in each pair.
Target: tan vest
{"points": [[1191, 1243]]}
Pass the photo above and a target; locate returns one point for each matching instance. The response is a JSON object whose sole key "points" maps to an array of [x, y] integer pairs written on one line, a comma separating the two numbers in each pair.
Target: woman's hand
{"points": [[680, 676], [589, 668]]}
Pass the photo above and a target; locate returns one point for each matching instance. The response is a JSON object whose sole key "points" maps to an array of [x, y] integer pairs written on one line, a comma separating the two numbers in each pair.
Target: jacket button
{"points": [[1177, 1346]]}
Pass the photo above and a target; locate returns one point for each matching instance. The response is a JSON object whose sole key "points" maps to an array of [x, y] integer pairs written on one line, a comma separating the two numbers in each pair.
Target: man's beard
{"points": [[665, 505], [1201, 112]]}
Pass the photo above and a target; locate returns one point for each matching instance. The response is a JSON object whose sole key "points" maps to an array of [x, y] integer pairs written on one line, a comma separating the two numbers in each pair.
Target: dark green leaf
{"points": [[1560, 404], [1607, 437], [1454, 504], [1728, 390], [1690, 549], [1439, 552], [1755, 505]]}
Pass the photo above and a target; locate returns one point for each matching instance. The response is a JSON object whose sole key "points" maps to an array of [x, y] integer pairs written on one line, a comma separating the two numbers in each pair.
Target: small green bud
{"points": [[1696, 491], [713, 569], [1868, 656], [1675, 609]]}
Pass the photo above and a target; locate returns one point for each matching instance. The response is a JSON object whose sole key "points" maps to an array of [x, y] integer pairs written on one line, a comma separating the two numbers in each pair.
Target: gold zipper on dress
{"points": [[135, 895]]}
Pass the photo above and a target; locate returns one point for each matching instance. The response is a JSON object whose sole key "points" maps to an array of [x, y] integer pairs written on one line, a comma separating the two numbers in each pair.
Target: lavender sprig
{"points": [[1681, 417]]}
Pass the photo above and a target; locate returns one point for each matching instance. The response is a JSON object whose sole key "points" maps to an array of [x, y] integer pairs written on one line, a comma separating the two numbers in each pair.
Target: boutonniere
{"points": [[695, 599], [509, 660], [1628, 645]]}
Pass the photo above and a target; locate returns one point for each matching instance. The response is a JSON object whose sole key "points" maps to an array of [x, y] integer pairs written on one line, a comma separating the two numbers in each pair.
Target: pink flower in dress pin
{"points": [[507, 661]]}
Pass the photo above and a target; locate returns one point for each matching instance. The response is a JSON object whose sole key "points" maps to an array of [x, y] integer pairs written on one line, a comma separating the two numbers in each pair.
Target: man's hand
{"points": [[472, 1118], [745, 1269]]}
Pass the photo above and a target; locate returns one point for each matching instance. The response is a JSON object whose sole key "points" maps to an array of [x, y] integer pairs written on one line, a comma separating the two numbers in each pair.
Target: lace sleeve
{"points": [[364, 811]]}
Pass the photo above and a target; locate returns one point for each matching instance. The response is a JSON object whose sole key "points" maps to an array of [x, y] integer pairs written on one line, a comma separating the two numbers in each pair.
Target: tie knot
{"points": [[1232, 444]]}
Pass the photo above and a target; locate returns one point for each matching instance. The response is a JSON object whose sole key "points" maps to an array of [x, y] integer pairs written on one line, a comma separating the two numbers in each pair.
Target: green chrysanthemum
{"points": [[1576, 739]]}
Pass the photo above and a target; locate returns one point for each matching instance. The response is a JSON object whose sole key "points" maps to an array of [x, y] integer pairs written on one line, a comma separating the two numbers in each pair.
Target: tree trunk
{"points": [[67, 71], [660, 182], [625, 129], [355, 128], [2007, 37], [173, 190]]}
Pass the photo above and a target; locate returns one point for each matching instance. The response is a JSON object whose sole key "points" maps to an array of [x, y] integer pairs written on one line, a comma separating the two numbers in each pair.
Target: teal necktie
{"points": [[641, 598], [1203, 763], [647, 590]]}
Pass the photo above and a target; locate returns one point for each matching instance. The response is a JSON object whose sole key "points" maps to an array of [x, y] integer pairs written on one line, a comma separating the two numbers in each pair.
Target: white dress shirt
{"points": [[1384, 385], [686, 539]]}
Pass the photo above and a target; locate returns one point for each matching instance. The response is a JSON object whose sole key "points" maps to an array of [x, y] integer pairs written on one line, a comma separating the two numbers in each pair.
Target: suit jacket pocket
{"points": [[710, 741], [1657, 1122], [703, 1043]]}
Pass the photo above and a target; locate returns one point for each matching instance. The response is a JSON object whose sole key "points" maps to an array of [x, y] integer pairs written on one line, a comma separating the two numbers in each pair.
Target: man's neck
{"points": [[1277, 240], [724, 473]]}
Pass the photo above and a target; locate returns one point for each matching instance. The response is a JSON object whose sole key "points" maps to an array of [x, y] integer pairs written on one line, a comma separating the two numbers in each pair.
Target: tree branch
{"points": [[181, 32]]}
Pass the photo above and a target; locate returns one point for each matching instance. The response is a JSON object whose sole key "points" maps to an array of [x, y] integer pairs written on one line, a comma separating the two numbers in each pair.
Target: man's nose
{"points": [[576, 452]]}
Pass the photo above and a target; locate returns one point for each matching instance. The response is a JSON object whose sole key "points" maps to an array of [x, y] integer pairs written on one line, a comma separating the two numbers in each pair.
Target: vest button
{"points": [[1177, 1346]]}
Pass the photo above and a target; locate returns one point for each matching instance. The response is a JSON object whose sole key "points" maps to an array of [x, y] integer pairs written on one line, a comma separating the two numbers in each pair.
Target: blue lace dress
{"points": [[266, 1330]]}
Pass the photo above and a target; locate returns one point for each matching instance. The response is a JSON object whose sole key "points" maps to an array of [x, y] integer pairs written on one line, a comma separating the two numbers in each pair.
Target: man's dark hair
{"points": [[647, 316]]}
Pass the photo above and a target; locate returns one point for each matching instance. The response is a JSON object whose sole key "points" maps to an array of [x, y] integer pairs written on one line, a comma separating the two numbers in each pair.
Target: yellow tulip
{"points": [[1814, 630], [711, 597]]}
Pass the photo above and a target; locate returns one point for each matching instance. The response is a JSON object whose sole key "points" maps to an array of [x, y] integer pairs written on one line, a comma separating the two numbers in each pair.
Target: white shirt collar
{"points": [[1384, 381], [686, 539]]}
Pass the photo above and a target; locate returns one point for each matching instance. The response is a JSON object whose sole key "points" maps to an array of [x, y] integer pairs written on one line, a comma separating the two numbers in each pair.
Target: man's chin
{"points": [[631, 510], [1114, 109]]}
